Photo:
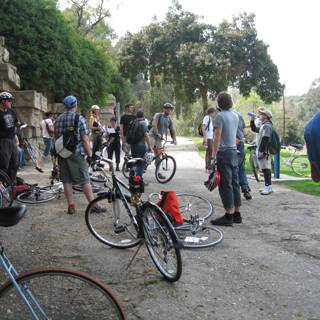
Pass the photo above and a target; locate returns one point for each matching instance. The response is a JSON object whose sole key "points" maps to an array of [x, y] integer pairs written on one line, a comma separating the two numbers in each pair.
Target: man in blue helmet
{"points": [[73, 167]]}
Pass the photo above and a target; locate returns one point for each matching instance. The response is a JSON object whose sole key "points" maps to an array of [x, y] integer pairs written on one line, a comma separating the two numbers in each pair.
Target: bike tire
{"points": [[36, 195], [34, 155], [192, 205], [254, 166], [62, 294], [6, 190], [166, 167], [195, 236], [300, 165], [161, 242], [113, 227], [125, 171], [100, 175]]}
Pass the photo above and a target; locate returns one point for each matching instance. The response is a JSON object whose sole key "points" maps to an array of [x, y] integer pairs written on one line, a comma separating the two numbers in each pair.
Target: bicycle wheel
{"points": [[36, 195], [125, 171], [191, 206], [165, 169], [254, 166], [6, 190], [62, 294], [197, 236], [112, 227], [300, 165], [161, 242], [96, 187]]}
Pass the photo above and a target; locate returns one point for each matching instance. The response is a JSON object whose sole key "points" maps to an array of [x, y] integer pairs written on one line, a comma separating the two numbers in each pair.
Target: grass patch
{"points": [[308, 187]]}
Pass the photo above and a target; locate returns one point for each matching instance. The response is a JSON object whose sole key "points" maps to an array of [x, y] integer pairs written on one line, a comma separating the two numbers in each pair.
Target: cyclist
{"points": [[125, 120], [161, 122], [96, 128], [8, 146], [263, 140]]}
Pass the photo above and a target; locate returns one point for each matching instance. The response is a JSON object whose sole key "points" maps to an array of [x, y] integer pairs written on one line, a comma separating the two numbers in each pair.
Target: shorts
{"points": [[155, 141], [74, 170]]}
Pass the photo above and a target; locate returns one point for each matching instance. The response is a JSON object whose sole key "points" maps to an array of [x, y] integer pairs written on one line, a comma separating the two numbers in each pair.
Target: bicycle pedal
{"points": [[119, 229]]}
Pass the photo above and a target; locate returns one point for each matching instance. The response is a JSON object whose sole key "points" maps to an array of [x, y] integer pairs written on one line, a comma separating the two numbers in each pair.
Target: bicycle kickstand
{"points": [[134, 256]]}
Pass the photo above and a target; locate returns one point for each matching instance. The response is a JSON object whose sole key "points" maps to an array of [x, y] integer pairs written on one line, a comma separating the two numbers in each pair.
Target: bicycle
{"points": [[122, 227], [32, 151], [6, 190], [54, 293], [299, 163], [165, 165], [254, 162]]}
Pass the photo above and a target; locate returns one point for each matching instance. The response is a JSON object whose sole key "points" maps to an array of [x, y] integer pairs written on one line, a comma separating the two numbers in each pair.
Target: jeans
{"points": [[243, 180], [48, 145], [21, 157], [138, 151], [229, 189]]}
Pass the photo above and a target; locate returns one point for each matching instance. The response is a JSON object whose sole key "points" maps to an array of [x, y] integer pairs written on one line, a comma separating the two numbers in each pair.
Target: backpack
{"points": [[275, 144], [134, 133], [200, 130], [170, 205]]}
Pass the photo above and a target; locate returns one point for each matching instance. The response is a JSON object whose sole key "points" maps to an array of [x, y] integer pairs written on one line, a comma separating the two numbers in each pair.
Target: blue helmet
{"points": [[69, 101]]}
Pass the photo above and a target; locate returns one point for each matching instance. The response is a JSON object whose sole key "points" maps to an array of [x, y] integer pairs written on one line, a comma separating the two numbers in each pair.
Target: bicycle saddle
{"points": [[133, 162], [12, 215], [298, 146]]}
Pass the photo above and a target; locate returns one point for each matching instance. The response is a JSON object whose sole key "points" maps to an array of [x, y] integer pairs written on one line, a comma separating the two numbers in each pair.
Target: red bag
{"points": [[20, 189], [170, 205]]}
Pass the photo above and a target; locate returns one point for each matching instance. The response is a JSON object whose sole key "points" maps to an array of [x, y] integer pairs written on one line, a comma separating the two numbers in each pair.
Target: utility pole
{"points": [[284, 117]]}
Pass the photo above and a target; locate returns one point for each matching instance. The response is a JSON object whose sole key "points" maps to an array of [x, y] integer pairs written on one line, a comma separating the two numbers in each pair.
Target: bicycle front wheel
{"points": [[125, 170], [36, 195], [254, 166], [6, 190], [161, 242], [191, 206], [300, 165], [110, 223], [61, 294], [165, 169]]}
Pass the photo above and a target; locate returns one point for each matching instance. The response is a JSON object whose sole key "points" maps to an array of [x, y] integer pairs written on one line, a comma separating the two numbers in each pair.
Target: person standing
{"points": [[74, 170], [8, 145], [125, 120], [96, 128], [263, 141], [114, 145], [207, 129], [47, 130], [225, 152]]}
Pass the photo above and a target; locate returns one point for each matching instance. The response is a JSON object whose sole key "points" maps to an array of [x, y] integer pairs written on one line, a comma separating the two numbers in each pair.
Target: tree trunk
{"points": [[204, 97]]}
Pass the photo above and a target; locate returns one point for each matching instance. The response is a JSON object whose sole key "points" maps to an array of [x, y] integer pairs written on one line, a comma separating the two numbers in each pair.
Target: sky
{"points": [[290, 28]]}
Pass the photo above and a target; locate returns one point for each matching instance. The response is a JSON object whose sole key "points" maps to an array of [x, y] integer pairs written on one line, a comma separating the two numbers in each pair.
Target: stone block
{"points": [[4, 55], [8, 73], [30, 99], [56, 108]]}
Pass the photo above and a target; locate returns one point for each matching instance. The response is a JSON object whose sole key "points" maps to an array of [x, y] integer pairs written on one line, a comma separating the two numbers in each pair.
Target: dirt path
{"points": [[266, 268]]}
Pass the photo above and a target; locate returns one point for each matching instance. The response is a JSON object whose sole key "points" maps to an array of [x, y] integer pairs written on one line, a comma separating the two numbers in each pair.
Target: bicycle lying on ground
{"points": [[121, 226], [165, 165], [54, 293]]}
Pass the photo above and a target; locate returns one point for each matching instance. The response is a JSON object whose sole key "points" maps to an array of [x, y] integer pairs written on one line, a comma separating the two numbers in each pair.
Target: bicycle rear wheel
{"points": [[300, 165], [161, 242], [6, 190], [62, 294], [254, 166], [125, 170], [165, 169], [191, 206], [36, 195], [196, 236], [112, 227]]}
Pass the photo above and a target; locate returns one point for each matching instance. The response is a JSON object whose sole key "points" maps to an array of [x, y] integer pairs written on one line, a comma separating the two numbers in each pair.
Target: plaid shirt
{"points": [[65, 121]]}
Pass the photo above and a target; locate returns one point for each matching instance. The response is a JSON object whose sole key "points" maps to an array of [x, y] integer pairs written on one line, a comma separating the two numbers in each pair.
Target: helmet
{"points": [[69, 101], [6, 96], [95, 107], [168, 105], [213, 180], [148, 157]]}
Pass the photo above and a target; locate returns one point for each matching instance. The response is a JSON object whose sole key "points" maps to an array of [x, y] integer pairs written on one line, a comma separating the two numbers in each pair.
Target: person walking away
{"points": [[113, 142], [47, 130], [263, 141], [243, 179], [74, 170], [125, 121], [207, 129], [161, 123], [8, 146], [96, 129], [225, 152], [140, 144]]}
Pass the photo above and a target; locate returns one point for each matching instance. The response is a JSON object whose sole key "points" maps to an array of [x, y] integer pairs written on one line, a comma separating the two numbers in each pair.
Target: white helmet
{"points": [[6, 96], [95, 107], [148, 157]]}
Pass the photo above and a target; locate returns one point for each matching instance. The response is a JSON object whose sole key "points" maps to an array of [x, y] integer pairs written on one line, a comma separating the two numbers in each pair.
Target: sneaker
{"points": [[98, 209], [237, 217], [161, 176], [266, 190], [247, 195], [225, 220], [71, 210]]}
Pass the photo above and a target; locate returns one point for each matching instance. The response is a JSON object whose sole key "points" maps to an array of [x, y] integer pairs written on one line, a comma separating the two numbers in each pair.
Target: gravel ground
{"points": [[266, 268]]}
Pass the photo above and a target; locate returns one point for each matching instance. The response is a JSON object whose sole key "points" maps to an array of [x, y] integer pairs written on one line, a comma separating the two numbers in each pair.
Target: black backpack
{"points": [[70, 140], [275, 144], [134, 133], [200, 130]]}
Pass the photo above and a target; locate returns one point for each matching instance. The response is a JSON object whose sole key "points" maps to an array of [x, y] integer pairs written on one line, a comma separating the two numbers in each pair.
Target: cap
{"points": [[266, 112]]}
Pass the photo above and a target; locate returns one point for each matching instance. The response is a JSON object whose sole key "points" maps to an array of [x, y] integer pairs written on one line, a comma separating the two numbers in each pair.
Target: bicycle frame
{"points": [[23, 291]]}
